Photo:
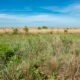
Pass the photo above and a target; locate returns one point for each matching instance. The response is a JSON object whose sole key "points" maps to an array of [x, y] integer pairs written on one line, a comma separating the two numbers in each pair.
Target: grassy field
{"points": [[40, 56]]}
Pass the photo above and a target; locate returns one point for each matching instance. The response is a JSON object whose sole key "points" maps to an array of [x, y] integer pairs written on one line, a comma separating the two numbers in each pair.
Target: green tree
{"points": [[66, 31], [26, 29], [44, 27], [39, 28], [15, 31]]}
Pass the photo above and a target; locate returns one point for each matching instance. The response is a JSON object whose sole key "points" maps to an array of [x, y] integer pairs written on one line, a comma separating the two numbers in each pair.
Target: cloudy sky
{"points": [[33, 13]]}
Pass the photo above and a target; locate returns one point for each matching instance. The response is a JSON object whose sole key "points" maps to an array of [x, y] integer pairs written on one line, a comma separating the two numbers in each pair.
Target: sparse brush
{"points": [[26, 29], [44, 27], [15, 31], [39, 28], [66, 31]]}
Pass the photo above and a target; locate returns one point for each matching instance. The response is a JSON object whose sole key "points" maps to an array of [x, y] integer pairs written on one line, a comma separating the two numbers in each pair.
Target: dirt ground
{"points": [[36, 30]]}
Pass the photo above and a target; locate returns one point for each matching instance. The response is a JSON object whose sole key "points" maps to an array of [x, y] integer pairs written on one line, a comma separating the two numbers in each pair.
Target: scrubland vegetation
{"points": [[43, 27], [26, 29], [40, 56]]}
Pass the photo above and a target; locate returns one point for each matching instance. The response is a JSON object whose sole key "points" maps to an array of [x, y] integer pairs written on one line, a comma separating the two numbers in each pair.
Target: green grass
{"points": [[39, 56]]}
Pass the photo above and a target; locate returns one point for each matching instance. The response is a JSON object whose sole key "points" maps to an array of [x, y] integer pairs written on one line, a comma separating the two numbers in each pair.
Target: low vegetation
{"points": [[39, 28], [44, 27], [15, 31], [26, 29], [40, 57], [66, 31]]}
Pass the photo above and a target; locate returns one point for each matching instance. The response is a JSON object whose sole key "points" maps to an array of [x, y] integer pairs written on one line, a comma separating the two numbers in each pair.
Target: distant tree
{"points": [[44, 27], [26, 29], [66, 31], [15, 31], [39, 28]]}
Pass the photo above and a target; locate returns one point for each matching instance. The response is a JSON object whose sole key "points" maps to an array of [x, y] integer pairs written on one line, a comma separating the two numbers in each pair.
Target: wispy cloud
{"points": [[70, 9], [26, 9], [39, 20]]}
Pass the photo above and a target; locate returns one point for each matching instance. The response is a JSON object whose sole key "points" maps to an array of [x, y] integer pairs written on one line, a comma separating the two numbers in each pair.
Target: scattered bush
{"points": [[51, 32], [44, 27], [15, 31], [39, 28], [66, 31], [26, 29]]}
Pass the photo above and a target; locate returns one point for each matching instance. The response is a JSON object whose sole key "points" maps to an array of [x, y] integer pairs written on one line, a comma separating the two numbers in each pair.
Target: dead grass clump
{"points": [[51, 66], [70, 70]]}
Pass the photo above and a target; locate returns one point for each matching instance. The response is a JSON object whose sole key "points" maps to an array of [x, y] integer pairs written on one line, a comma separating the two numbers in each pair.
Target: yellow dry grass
{"points": [[36, 30]]}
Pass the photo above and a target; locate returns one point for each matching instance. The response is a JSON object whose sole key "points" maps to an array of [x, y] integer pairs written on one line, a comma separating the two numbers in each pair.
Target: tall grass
{"points": [[40, 57]]}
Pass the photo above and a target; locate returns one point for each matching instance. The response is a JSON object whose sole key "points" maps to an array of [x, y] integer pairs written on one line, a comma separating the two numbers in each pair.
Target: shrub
{"points": [[39, 28], [51, 32], [15, 31], [44, 27], [36, 74], [5, 52], [26, 29], [66, 31]]}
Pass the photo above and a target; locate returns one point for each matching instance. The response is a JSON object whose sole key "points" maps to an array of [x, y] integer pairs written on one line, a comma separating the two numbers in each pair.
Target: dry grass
{"points": [[40, 57], [36, 30]]}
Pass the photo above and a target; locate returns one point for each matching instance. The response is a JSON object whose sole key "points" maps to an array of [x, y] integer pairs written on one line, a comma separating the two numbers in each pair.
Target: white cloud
{"points": [[70, 9], [39, 20]]}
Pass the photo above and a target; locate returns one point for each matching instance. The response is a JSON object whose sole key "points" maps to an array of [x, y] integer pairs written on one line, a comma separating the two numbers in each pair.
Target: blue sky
{"points": [[33, 13]]}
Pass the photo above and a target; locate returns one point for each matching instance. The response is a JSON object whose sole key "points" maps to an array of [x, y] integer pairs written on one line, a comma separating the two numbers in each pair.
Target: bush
{"points": [[36, 74], [5, 53], [44, 27], [39, 28], [26, 29], [66, 31], [15, 31]]}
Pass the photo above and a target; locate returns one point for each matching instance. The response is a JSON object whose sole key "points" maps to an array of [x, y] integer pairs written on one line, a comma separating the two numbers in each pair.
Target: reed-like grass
{"points": [[40, 57]]}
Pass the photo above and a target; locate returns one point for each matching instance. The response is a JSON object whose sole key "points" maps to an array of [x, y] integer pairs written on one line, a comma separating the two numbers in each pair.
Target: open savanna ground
{"points": [[40, 30], [40, 56]]}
